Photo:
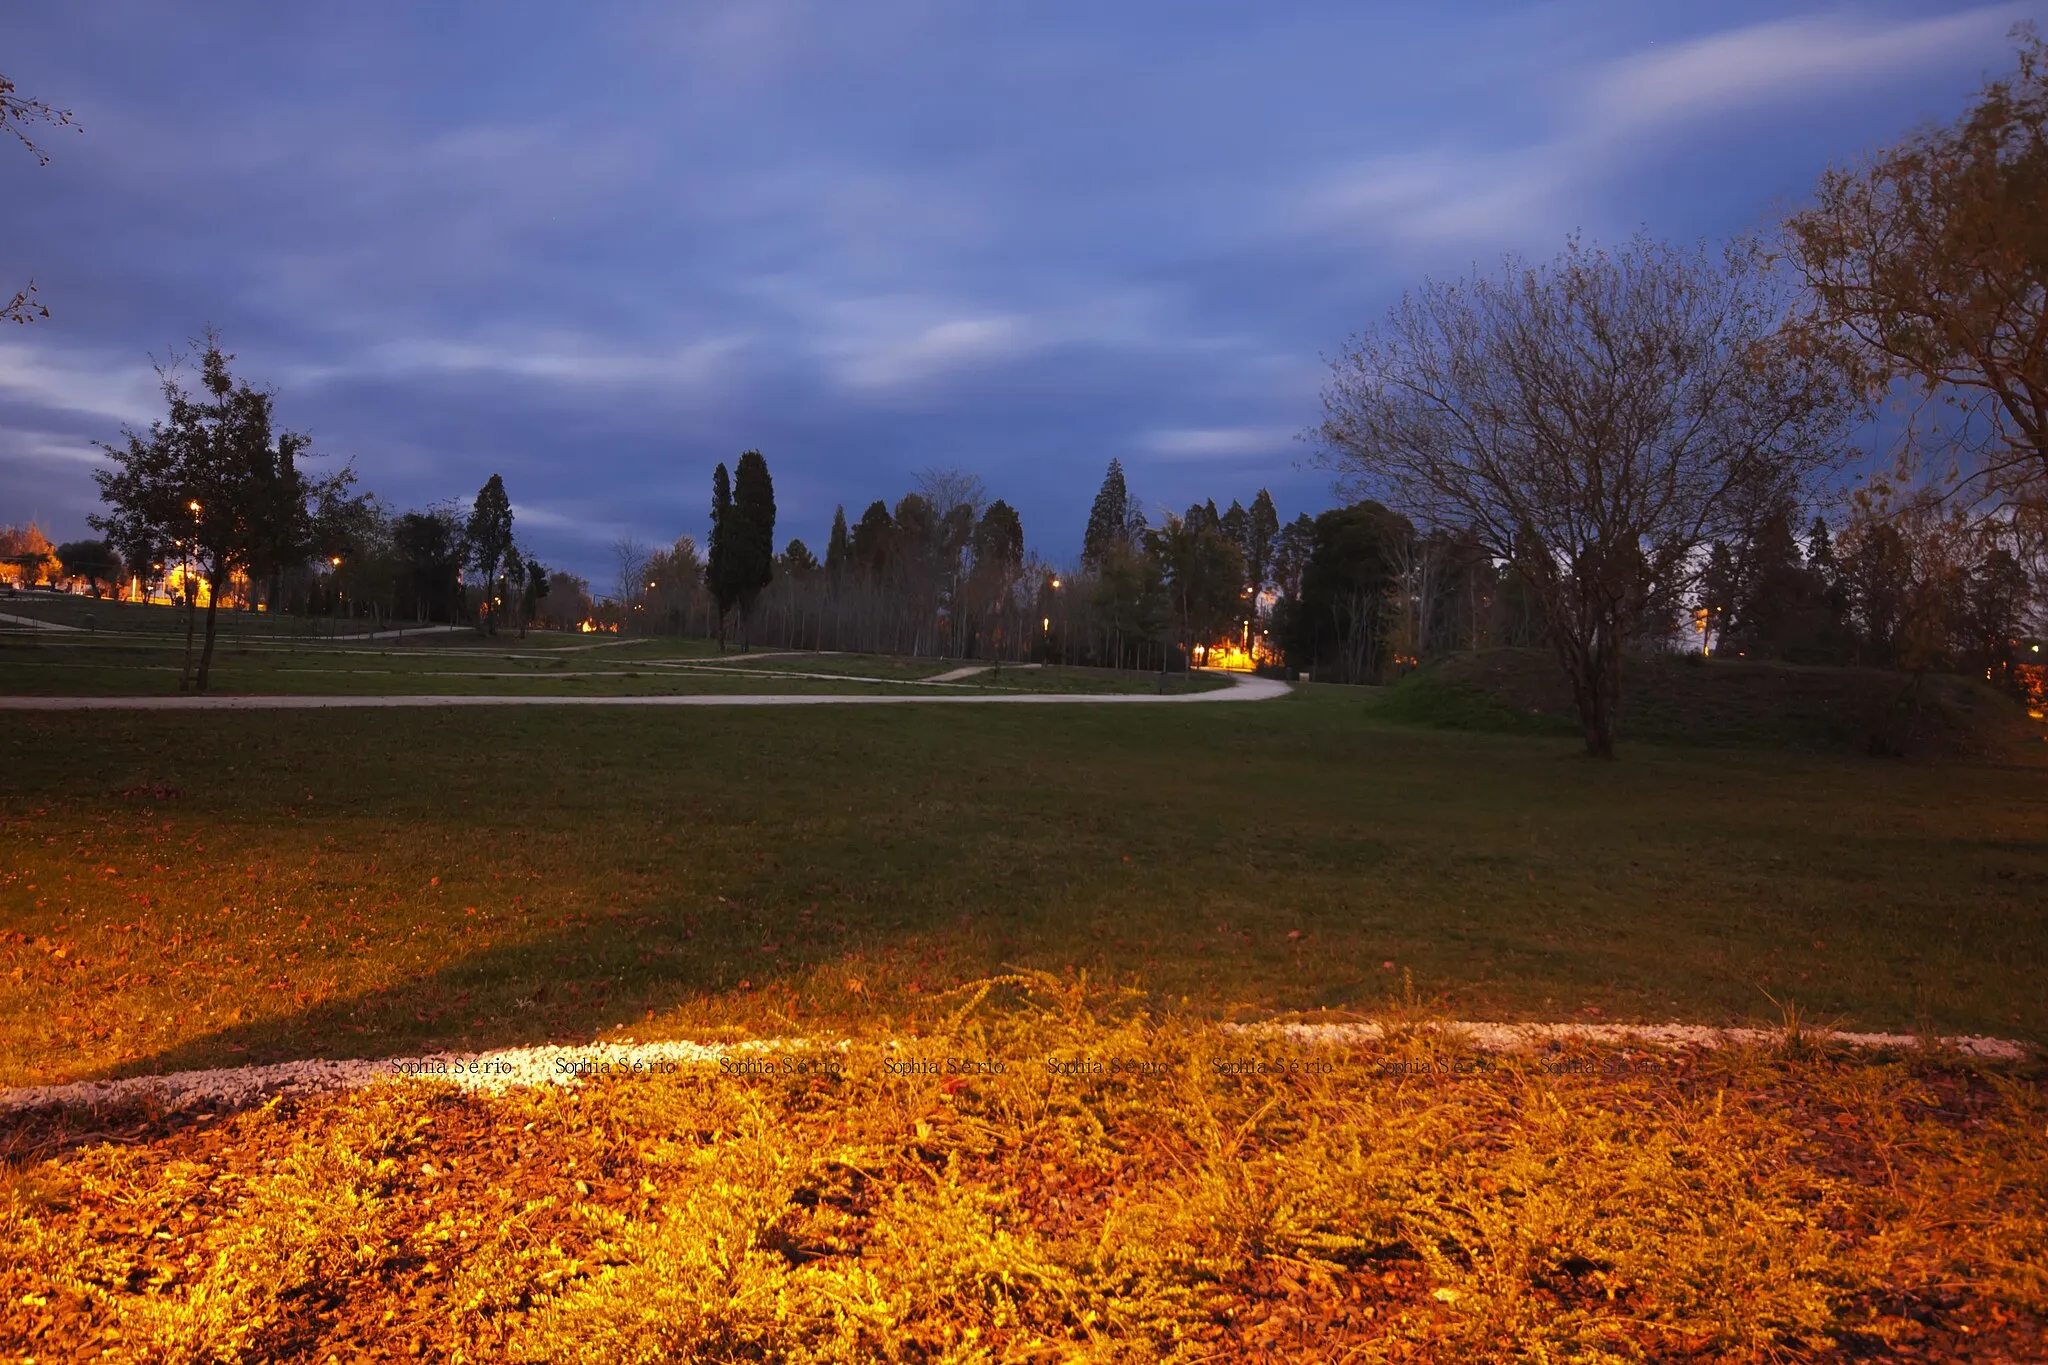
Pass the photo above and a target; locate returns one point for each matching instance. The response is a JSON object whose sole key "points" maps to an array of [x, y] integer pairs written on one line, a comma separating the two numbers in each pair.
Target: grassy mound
{"points": [[1048, 1178], [1726, 702]]}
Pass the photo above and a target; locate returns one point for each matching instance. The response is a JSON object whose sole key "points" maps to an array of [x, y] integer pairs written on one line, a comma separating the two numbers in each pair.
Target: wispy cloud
{"points": [[1626, 106], [1782, 62], [892, 362], [1213, 443], [89, 384], [566, 360]]}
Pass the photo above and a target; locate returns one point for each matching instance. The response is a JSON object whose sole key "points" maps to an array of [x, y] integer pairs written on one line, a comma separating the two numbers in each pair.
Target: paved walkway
{"points": [[32, 623], [1242, 688]]}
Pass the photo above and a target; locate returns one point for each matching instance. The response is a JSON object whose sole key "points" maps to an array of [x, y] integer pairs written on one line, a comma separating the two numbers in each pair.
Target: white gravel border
{"points": [[1534, 1037], [505, 1068]]}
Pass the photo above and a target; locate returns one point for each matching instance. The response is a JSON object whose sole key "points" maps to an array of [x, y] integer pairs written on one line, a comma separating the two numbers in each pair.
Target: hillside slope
{"points": [[1729, 701]]}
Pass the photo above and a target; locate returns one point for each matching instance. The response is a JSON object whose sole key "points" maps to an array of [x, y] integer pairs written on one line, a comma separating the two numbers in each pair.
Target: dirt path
{"points": [[1242, 689]]}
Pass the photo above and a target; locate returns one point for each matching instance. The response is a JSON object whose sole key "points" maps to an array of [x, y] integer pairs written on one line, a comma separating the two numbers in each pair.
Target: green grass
{"points": [[188, 889], [138, 664]]}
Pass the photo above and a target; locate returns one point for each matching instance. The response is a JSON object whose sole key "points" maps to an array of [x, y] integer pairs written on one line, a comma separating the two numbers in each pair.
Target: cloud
{"points": [[566, 360], [1457, 194], [928, 352], [51, 447], [1207, 443], [1793, 59], [91, 385]]}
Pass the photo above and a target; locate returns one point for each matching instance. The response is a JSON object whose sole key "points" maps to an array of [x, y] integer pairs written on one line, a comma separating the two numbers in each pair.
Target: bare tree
{"points": [[1594, 421], [14, 112], [629, 562], [946, 489]]}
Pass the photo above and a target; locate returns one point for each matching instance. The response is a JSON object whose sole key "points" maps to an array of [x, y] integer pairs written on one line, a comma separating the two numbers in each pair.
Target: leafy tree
{"points": [[1595, 421], [1339, 620], [213, 477], [1203, 574], [489, 535], [873, 543], [15, 111], [751, 553], [430, 550], [91, 560], [1926, 265], [534, 579]]}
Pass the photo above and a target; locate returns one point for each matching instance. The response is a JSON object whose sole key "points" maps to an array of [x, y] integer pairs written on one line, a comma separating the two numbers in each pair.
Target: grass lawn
{"points": [[137, 664], [181, 890]]}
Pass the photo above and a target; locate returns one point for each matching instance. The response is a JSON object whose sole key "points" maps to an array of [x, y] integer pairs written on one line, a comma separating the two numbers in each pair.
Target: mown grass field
{"points": [[137, 663], [181, 890]]}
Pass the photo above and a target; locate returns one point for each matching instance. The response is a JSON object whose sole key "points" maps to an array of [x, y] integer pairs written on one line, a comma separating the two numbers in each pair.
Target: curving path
{"points": [[1242, 688]]}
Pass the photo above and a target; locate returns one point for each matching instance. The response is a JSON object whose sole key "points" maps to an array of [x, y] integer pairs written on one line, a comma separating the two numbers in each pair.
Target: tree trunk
{"points": [[191, 619], [1595, 672], [212, 606]]}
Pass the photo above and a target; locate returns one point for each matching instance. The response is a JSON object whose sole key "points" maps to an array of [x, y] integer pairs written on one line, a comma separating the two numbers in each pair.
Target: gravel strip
{"points": [[1533, 1037], [493, 1071], [505, 1068]]}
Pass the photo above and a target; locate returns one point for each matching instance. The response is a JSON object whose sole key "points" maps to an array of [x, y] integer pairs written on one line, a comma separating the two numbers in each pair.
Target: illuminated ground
{"points": [[197, 890]]}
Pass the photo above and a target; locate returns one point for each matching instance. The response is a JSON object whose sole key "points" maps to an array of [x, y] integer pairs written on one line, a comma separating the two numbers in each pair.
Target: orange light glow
{"points": [[598, 628], [1230, 656]]}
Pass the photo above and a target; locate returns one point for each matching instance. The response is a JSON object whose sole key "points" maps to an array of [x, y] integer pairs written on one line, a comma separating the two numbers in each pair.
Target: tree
{"points": [[998, 549], [720, 573], [797, 559], [28, 552], [1994, 604], [753, 544], [872, 547], [213, 480], [489, 535], [1203, 574], [15, 110], [1340, 617], [536, 588], [1291, 549], [1112, 520], [1595, 421], [91, 560], [1262, 530], [838, 549], [1927, 265], [430, 550]]}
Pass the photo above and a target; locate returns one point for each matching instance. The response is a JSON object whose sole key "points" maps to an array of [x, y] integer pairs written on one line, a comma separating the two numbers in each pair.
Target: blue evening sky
{"points": [[598, 248]]}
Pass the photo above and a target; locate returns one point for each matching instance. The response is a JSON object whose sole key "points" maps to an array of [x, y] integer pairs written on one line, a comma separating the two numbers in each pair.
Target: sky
{"points": [[599, 248]]}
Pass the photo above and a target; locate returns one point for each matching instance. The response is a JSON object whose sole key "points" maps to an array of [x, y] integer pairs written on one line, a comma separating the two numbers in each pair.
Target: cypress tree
{"points": [[752, 548], [718, 575], [838, 551]]}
